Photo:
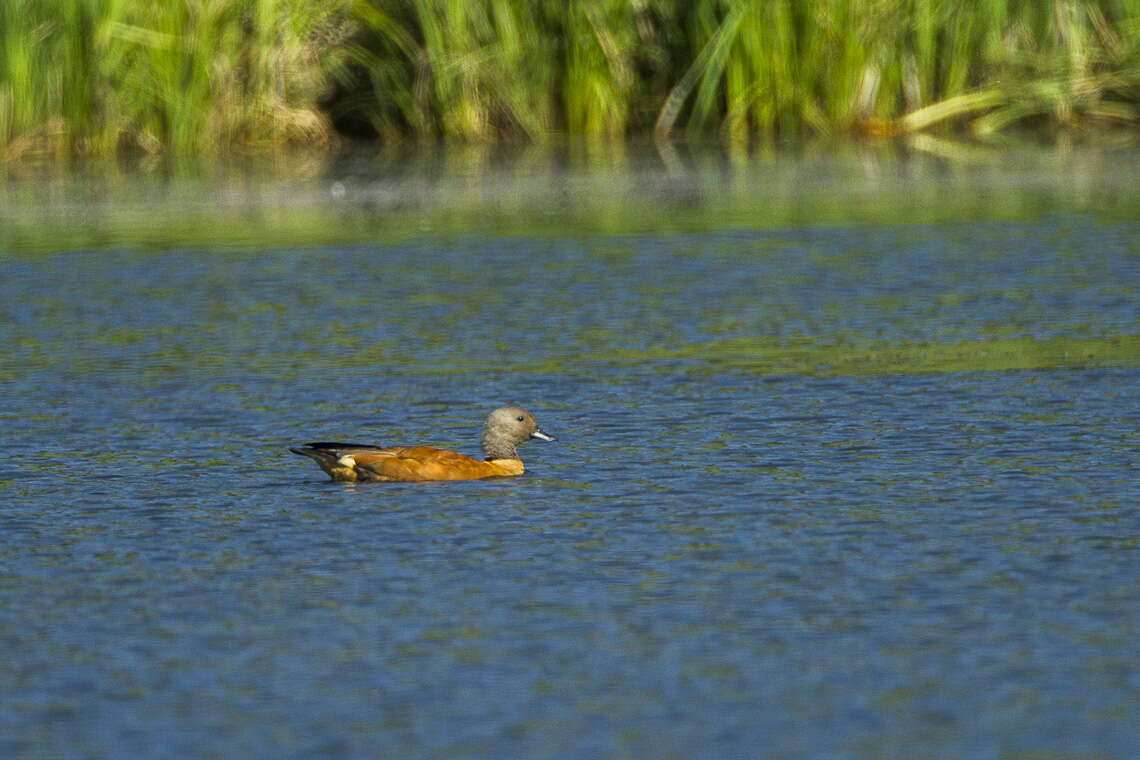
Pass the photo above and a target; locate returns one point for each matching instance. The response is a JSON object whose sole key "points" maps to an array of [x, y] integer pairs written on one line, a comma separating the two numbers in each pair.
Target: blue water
{"points": [[715, 560]]}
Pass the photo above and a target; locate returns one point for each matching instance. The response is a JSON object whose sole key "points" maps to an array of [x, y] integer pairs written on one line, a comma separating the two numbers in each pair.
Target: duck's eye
{"points": [[519, 418]]}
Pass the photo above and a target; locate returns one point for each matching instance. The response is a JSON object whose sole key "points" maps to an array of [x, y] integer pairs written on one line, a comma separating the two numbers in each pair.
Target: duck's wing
{"points": [[354, 461], [328, 451], [421, 463], [334, 446], [339, 460]]}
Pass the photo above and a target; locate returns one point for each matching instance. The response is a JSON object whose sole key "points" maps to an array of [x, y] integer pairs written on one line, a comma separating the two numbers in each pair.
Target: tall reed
{"points": [[192, 76], [186, 76], [740, 67]]}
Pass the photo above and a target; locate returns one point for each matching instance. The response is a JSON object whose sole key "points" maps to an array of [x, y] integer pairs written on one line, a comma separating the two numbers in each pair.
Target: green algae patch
{"points": [[995, 355], [769, 358]]}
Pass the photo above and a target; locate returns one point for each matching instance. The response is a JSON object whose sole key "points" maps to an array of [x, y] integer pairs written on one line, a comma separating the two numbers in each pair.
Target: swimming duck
{"points": [[505, 428]]}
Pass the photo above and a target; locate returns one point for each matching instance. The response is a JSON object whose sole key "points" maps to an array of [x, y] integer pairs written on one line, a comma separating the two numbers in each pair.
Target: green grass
{"points": [[204, 76]]}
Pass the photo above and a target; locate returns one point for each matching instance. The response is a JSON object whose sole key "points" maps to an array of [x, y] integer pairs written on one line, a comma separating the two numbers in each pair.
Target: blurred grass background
{"points": [[193, 77]]}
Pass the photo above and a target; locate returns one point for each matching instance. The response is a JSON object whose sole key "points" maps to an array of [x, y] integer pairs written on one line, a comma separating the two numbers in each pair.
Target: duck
{"points": [[504, 430]]}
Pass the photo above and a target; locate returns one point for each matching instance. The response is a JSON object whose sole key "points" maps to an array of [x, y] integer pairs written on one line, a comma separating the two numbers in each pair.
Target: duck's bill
{"points": [[539, 434]]}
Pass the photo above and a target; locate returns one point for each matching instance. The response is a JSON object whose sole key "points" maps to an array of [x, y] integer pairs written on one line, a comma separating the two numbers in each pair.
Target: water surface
{"points": [[857, 487]]}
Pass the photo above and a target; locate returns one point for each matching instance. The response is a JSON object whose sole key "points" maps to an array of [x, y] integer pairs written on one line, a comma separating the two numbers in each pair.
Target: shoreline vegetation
{"points": [[105, 78]]}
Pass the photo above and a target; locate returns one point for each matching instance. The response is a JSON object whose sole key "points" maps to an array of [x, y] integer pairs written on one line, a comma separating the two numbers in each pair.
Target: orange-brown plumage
{"points": [[505, 428]]}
